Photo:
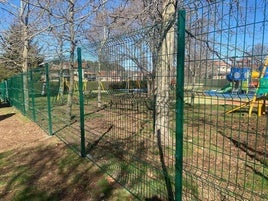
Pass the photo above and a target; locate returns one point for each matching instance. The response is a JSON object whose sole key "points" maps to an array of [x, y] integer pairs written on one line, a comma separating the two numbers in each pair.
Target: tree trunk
{"points": [[163, 79], [162, 99], [25, 70], [99, 82], [61, 79], [25, 53], [193, 89], [71, 67]]}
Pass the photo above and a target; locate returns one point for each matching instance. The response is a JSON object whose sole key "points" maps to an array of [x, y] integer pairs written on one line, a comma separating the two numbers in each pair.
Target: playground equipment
{"points": [[76, 84], [239, 79], [65, 85], [242, 81], [62, 85], [259, 97]]}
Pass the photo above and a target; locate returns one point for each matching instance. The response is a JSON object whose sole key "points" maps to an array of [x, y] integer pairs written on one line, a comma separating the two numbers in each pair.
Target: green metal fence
{"points": [[225, 128], [130, 129], [3, 91], [170, 122]]}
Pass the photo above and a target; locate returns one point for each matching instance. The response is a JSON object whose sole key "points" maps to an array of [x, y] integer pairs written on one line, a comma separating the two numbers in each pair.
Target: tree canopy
{"points": [[11, 57]]}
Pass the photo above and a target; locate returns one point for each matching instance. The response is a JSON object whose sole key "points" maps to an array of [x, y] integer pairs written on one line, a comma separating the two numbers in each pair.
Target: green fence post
{"points": [[48, 100], [32, 95], [179, 104], [6, 91], [22, 105], [9, 91], [81, 103]]}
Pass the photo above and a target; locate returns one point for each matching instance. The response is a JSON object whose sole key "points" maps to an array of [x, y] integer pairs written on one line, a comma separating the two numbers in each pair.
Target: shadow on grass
{"points": [[154, 198], [126, 160], [49, 172]]}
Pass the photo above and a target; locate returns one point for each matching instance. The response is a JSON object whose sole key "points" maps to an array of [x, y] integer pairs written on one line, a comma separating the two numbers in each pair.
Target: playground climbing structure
{"points": [[260, 95]]}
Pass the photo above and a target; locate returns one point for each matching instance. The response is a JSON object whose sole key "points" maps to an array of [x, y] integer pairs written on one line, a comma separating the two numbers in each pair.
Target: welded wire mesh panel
{"points": [[16, 91], [27, 92], [38, 104], [65, 116], [130, 129], [132, 95], [3, 91], [225, 125]]}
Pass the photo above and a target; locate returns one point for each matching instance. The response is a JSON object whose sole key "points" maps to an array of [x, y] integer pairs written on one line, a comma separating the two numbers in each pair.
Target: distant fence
{"points": [[3, 91], [166, 130]]}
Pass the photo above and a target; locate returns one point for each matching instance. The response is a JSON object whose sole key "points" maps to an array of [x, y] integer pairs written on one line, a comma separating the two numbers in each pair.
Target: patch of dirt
{"points": [[36, 166], [17, 130]]}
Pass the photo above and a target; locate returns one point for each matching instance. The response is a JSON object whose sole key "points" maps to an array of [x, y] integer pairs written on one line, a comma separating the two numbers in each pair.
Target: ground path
{"points": [[36, 166], [17, 130]]}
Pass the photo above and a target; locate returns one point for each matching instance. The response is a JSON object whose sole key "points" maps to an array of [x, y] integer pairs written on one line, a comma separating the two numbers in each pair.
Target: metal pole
{"points": [[32, 95], [22, 106], [48, 101], [81, 103], [179, 104]]}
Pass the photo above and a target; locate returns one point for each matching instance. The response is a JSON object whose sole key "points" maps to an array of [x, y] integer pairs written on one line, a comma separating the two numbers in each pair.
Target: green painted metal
{"points": [[81, 103], [32, 96], [3, 91], [22, 104], [50, 130], [180, 105], [263, 88], [197, 149]]}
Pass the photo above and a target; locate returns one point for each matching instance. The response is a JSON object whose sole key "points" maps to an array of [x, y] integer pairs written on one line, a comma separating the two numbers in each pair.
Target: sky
{"points": [[6, 8], [232, 35], [234, 32]]}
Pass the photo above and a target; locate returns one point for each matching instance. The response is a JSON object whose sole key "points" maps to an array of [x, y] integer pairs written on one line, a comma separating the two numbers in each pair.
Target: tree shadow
{"points": [[5, 116], [125, 158], [48, 172], [251, 152], [154, 198], [4, 104], [91, 146]]}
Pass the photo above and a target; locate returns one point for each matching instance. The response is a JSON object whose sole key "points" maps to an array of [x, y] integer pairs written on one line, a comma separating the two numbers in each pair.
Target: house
{"points": [[220, 69], [91, 74], [244, 62], [247, 62]]}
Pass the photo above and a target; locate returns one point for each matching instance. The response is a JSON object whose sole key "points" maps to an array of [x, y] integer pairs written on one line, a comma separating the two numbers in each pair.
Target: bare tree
{"points": [[259, 52], [11, 44], [71, 14], [30, 22], [159, 19]]}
